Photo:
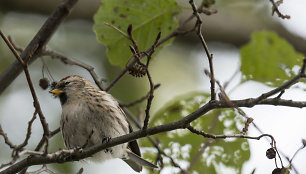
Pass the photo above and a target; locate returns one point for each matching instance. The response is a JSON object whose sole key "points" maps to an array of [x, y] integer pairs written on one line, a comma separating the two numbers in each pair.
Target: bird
{"points": [[91, 116]]}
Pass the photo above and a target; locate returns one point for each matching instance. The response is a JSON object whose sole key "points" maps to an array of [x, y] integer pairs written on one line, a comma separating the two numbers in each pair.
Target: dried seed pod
{"points": [[277, 171], [270, 153], [304, 142], [44, 83], [138, 70], [281, 171]]}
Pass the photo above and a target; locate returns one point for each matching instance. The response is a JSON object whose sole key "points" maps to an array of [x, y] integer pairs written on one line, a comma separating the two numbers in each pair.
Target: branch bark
{"points": [[33, 49], [76, 155]]}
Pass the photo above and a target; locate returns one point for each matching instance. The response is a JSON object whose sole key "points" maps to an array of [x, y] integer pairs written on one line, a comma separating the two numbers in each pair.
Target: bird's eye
{"points": [[67, 83]]}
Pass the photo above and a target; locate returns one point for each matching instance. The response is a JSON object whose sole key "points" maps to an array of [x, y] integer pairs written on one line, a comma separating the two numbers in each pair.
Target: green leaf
{"points": [[184, 146], [269, 58], [148, 17]]}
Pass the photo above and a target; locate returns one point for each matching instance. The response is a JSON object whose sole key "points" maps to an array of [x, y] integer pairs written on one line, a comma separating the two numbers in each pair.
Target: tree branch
{"points": [[6, 139], [31, 86], [70, 61], [175, 33], [70, 155], [276, 10], [198, 25], [285, 85], [38, 42]]}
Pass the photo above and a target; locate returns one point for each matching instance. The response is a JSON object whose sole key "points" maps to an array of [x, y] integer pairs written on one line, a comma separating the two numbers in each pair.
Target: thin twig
{"points": [[224, 97], [174, 163], [43, 169], [208, 135], [175, 33], [213, 136], [275, 9], [199, 154], [6, 139], [208, 143], [74, 155], [137, 55], [285, 85], [117, 29], [209, 56], [8, 163], [11, 47], [131, 38], [70, 61], [46, 149], [119, 76], [37, 43], [151, 93], [153, 141], [30, 84], [52, 133], [296, 152], [25, 142], [140, 99], [65, 60], [150, 98]]}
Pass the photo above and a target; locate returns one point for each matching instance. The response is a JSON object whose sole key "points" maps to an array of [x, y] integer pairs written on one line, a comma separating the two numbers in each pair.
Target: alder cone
{"points": [[270, 153]]}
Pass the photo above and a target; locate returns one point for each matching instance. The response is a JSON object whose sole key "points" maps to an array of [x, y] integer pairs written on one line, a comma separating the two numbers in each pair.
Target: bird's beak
{"points": [[56, 91]]}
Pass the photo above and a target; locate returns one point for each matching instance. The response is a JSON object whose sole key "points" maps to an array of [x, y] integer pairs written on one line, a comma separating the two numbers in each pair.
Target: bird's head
{"points": [[69, 87]]}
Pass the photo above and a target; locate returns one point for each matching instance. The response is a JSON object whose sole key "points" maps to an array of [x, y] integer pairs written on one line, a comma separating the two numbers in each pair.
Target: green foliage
{"points": [[148, 18], [185, 146], [269, 59]]}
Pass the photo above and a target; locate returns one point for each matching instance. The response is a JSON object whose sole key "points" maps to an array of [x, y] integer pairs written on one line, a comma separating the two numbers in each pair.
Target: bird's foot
{"points": [[105, 140], [78, 149]]}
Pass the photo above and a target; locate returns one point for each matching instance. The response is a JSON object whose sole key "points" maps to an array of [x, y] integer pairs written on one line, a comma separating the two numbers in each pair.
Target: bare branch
{"points": [[140, 99], [150, 98], [75, 155], [297, 151], [71, 61], [209, 135], [31, 86], [199, 154], [6, 139], [8, 163], [286, 85], [198, 25], [175, 33], [56, 131], [276, 10], [43, 169], [38, 42], [25, 142]]}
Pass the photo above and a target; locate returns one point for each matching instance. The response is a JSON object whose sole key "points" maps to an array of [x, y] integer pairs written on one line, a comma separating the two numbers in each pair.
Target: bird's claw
{"points": [[105, 140]]}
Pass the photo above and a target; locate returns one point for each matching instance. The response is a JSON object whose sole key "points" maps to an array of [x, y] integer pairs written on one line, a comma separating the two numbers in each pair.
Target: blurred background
{"points": [[179, 69]]}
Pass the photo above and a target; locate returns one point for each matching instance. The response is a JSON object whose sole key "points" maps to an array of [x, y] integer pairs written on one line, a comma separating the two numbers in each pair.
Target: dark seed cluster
{"points": [[138, 70], [281, 171], [270, 153]]}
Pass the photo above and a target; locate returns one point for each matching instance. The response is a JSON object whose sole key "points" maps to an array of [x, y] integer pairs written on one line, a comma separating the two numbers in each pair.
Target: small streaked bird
{"points": [[91, 116]]}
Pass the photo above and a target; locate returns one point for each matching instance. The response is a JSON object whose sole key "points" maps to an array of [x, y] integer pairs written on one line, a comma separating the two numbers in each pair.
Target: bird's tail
{"points": [[136, 162]]}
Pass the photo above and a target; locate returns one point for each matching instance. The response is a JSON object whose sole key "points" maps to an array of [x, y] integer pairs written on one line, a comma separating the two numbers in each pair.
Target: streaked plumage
{"points": [[91, 115]]}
